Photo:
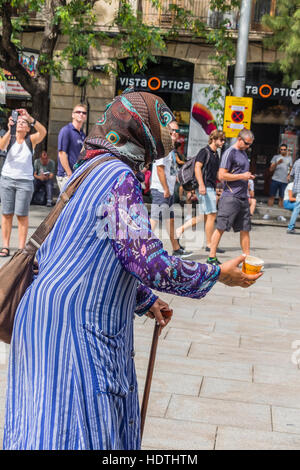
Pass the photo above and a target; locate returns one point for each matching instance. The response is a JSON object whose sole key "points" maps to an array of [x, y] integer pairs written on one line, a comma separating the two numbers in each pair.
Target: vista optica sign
{"points": [[269, 91], [155, 83]]}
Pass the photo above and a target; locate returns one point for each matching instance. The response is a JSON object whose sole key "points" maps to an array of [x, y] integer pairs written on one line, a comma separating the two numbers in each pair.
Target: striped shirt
{"points": [[295, 173]]}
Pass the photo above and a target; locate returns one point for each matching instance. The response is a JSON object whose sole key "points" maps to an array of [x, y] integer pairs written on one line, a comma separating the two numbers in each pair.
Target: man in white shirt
{"points": [[162, 187]]}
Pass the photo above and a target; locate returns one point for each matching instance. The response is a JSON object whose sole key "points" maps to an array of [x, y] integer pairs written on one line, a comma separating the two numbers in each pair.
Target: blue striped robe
{"points": [[71, 380]]}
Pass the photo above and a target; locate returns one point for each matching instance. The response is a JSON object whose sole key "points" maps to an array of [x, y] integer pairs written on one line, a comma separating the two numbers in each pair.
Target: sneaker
{"points": [[49, 204], [292, 230], [219, 250], [213, 261], [182, 253], [266, 217], [280, 218]]}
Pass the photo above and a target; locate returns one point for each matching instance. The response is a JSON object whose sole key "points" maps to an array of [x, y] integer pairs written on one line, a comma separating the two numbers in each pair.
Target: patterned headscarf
{"points": [[134, 128]]}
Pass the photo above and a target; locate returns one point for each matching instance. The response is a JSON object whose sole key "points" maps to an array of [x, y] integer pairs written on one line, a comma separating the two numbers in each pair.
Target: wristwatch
{"points": [[33, 123]]}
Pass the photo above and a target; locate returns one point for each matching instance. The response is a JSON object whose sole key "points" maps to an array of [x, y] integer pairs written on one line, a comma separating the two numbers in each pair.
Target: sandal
{"points": [[4, 252]]}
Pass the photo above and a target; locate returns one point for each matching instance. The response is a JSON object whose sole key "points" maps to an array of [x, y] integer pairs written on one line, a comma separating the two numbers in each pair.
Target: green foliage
{"points": [[137, 41], [285, 26]]}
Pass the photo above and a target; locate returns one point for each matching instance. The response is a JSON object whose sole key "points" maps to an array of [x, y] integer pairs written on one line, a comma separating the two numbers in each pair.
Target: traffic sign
{"points": [[237, 115]]}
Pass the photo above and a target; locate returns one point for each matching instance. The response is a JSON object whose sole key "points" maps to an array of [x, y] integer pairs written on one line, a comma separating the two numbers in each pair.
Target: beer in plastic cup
{"points": [[252, 265]]}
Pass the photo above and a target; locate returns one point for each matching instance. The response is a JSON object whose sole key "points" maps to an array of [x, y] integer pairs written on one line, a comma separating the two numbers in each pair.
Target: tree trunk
{"points": [[40, 111]]}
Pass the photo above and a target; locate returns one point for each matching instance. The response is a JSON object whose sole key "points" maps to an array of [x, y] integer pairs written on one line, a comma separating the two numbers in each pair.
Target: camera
{"points": [[15, 115]]}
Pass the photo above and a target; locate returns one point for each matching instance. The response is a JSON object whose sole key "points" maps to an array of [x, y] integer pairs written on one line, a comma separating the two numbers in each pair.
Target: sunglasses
{"points": [[247, 143], [174, 130], [80, 112]]}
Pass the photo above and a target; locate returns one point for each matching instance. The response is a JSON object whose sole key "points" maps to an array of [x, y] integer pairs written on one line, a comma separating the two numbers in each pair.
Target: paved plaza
{"points": [[227, 373]]}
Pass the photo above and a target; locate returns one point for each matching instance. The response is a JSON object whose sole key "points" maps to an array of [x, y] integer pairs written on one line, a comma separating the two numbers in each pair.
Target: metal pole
{"points": [[242, 48], [242, 52]]}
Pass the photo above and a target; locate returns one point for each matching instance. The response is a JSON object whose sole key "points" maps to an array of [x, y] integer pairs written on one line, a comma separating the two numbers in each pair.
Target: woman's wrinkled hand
{"points": [[231, 275], [161, 311]]}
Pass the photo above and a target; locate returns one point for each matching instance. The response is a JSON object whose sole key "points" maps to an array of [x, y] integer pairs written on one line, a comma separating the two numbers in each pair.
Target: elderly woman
{"points": [[72, 381], [17, 175]]}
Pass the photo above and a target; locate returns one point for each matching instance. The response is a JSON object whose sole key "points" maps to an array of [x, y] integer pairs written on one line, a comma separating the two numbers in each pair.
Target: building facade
{"points": [[181, 73]]}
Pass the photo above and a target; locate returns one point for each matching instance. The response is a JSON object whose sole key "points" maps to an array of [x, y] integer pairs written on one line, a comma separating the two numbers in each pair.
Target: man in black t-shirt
{"points": [[206, 170]]}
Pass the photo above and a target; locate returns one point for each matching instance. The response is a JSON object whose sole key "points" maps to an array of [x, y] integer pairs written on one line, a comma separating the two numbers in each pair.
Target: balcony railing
{"points": [[200, 9]]}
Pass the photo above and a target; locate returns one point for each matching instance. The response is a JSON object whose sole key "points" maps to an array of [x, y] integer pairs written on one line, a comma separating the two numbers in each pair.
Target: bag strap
{"points": [[46, 226]]}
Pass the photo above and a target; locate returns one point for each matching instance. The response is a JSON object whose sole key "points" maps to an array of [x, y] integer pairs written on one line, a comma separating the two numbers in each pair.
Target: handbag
{"points": [[17, 274]]}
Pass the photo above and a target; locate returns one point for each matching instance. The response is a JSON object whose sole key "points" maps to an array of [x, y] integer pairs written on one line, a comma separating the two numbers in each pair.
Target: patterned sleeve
{"points": [[144, 299], [141, 253]]}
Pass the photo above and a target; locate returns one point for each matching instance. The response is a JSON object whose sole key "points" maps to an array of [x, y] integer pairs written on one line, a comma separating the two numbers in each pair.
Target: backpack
{"points": [[186, 174]]}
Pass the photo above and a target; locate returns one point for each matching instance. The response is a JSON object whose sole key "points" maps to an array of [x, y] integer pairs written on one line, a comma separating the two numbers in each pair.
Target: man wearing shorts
{"points": [[233, 210], [280, 167], [206, 170], [163, 181]]}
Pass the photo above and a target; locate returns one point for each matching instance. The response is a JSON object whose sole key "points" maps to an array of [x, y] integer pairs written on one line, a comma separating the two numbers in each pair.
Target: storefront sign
{"points": [[203, 119], [13, 87], [156, 83], [237, 115], [270, 91]]}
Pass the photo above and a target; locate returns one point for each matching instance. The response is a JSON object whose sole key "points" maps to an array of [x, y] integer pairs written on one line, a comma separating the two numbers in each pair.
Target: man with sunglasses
{"points": [[70, 141], [280, 167], [233, 209], [164, 175]]}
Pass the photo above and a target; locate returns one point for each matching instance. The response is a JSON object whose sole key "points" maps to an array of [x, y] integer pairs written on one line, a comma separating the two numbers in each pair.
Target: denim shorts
{"points": [[16, 196], [161, 207], [208, 202], [277, 186]]}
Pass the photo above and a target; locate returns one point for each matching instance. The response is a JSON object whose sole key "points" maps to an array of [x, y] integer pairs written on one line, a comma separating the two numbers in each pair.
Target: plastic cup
{"points": [[252, 265]]}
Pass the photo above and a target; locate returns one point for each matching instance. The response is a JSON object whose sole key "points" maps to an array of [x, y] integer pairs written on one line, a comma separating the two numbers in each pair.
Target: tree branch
{"points": [[9, 55]]}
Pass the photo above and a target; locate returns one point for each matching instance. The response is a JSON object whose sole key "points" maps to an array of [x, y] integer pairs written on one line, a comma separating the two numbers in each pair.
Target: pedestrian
{"points": [[279, 168], [2, 152], [233, 208], [72, 381], [295, 173], [289, 199], [70, 141], [44, 170], [163, 182], [17, 175], [206, 171], [147, 171]]}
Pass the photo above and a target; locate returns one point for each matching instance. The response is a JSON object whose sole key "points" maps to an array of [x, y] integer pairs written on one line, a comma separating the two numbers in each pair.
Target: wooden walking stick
{"points": [[149, 375], [156, 333]]}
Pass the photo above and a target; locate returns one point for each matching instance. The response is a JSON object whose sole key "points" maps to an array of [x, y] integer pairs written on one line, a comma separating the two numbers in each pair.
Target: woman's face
{"points": [[22, 125]]}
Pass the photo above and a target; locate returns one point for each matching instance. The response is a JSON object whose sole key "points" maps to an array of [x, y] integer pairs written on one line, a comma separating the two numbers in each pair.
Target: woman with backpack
{"points": [[17, 174]]}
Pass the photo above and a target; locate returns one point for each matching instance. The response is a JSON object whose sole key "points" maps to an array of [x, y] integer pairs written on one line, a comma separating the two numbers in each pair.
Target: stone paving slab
{"points": [[286, 419], [277, 375], [225, 353], [245, 392], [229, 438], [220, 412], [207, 366], [171, 434]]}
